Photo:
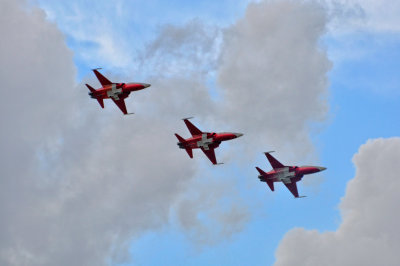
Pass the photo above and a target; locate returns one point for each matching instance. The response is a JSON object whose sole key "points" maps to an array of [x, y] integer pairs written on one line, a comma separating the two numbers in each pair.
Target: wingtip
{"points": [[268, 152]]}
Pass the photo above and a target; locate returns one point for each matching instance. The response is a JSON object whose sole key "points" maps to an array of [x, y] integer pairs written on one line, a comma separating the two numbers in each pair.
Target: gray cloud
{"points": [[212, 210], [184, 50], [273, 74], [369, 232]]}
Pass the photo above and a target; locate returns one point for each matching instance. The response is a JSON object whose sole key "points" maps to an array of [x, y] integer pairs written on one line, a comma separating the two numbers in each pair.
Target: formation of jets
{"points": [[206, 141]]}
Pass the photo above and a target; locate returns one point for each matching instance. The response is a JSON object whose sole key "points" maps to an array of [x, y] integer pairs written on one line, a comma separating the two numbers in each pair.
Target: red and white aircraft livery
{"points": [[115, 91], [206, 141], [288, 175]]}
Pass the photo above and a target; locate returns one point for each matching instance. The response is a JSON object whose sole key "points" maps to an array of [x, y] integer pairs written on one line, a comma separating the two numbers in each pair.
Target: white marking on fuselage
{"points": [[114, 92], [283, 174], [204, 142]]}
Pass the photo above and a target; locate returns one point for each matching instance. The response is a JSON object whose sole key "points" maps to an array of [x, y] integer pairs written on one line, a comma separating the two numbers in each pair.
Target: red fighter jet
{"points": [[289, 175], [116, 91], [206, 141]]}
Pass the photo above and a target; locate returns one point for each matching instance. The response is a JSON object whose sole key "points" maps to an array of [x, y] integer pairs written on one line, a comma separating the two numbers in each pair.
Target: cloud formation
{"points": [[77, 186], [182, 50], [273, 74], [376, 16], [369, 232]]}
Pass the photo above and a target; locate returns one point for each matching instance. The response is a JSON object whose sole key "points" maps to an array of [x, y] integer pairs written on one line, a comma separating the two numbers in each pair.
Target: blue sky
{"points": [[363, 97]]}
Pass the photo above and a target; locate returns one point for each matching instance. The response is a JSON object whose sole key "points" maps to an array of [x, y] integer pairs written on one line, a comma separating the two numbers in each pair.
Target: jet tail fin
{"points": [[270, 183], [182, 140], [179, 138], [261, 172], [90, 88]]}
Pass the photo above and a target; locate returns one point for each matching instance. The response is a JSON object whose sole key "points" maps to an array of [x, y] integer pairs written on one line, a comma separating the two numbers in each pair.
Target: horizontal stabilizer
{"points": [[265, 175], [190, 152], [100, 100], [187, 118], [90, 88], [261, 172], [179, 138], [270, 184]]}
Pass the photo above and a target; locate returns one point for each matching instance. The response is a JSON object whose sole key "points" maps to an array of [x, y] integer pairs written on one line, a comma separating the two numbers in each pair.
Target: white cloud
{"points": [[376, 16], [182, 50], [273, 74], [94, 30], [203, 222], [111, 33], [369, 232]]}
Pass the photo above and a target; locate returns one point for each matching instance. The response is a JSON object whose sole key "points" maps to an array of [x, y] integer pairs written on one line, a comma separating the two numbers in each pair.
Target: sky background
{"points": [[316, 81]]}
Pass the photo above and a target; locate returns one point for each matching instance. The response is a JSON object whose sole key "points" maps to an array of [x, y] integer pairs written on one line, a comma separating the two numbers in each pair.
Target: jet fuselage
{"points": [[207, 140], [290, 173], [117, 90]]}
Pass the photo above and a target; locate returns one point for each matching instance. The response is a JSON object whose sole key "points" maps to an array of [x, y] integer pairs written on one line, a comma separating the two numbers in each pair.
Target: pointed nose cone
{"points": [[306, 170], [238, 134], [146, 85]]}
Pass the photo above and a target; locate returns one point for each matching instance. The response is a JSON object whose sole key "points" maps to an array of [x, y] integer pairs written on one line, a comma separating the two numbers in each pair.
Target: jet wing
{"points": [[292, 188], [192, 128], [210, 154], [121, 104], [103, 80], [274, 162]]}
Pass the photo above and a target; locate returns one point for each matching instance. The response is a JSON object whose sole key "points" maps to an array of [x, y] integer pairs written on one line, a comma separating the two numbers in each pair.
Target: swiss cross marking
{"points": [[204, 142], [114, 92]]}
